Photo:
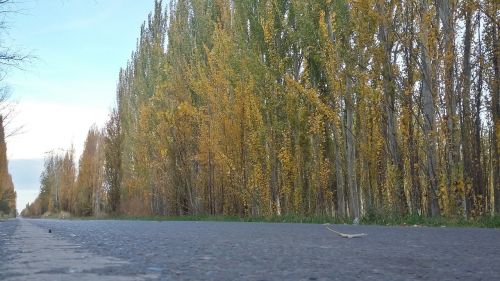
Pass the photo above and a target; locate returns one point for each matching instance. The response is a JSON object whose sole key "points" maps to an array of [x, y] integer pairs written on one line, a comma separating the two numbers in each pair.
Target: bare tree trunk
{"points": [[478, 173], [411, 148], [466, 112], [352, 184], [428, 113], [340, 176], [445, 11], [341, 207], [389, 104], [496, 118], [211, 172]]}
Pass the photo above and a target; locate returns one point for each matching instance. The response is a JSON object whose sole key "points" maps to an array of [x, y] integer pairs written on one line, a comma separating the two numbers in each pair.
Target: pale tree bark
{"points": [[341, 206], [384, 35], [477, 183], [352, 184], [409, 135], [445, 10], [340, 177], [428, 111]]}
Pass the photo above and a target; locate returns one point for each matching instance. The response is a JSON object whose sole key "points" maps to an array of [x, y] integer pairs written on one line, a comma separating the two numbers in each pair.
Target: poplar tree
{"points": [[7, 193], [275, 107]]}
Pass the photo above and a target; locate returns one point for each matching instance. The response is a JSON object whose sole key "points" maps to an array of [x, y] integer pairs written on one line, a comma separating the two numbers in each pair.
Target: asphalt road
{"points": [[148, 250]]}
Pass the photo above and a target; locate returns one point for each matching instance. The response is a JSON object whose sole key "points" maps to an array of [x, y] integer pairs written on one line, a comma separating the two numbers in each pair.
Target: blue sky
{"points": [[79, 47]]}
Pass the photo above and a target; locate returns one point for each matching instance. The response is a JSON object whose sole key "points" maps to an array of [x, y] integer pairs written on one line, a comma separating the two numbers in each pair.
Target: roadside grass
{"points": [[370, 219], [224, 218], [412, 220], [4, 217], [277, 219]]}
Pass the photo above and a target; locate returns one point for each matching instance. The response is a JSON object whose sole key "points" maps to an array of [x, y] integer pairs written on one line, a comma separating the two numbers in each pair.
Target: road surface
{"points": [[149, 250]]}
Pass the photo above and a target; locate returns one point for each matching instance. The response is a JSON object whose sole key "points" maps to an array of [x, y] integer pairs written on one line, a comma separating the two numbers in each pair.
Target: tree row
{"points": [[272, 107]]}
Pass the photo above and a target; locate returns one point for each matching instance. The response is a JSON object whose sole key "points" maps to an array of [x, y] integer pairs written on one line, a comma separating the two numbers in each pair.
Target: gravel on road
{"points": [[151, 250]]}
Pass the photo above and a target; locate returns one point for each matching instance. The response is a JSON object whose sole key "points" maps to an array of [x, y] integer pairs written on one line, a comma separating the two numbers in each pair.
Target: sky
{"points": [[77, 49]]}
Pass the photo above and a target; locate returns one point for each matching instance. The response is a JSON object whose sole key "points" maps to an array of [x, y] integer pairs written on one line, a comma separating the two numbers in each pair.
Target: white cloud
{"points": [[52, 126], [25, 196], [26, 174]]}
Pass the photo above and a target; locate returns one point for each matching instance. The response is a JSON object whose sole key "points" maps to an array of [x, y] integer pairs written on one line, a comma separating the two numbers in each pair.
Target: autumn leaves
{"points": [[302, 107]]}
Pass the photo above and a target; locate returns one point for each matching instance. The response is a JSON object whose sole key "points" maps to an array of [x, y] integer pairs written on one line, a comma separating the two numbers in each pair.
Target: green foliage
{"points": [[418, 220], [56, 186], [302, 111]]}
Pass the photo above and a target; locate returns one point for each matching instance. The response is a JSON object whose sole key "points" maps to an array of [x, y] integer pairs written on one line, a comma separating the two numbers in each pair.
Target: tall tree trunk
{"points": [[466, 113], [478, 171], [341, 206], [408, 136], [339, 170], [352, 184], [428, 112], [445, 11], [389, 104], [496, 117]]}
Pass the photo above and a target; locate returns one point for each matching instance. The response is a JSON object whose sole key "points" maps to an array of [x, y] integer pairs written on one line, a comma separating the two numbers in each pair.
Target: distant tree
{"points": [[112, 164], [89, 193], [7, 193]]}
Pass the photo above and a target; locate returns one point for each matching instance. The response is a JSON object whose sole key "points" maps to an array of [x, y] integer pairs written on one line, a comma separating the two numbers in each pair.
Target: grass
{"points": [[369, 219], [485, 221], [4, 217], [279, 219], [225, 218]]}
